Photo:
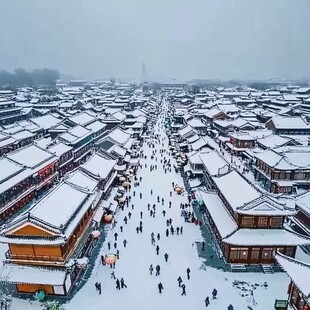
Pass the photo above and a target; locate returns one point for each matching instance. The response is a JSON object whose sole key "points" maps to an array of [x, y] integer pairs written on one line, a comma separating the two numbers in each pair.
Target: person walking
{"points": [[99, 288], [129, 214], [178, 230], [188, 271], [123, 285], [137, 229], [117, 254], [141, 228], [164, 213], [125, 220], [157, 250], [214, 293], [125, 243], [207, 301], [157, 270], [183, 290], [121, 228], [118, 287], [166, 257], [167, 232], [181, 230], [109, 246], [115, 236], [115, 245], [203, 246], [151, 269], [230, 307], [141, 215], [113, 275], [180, 281], [160, 287], [158, 236]]}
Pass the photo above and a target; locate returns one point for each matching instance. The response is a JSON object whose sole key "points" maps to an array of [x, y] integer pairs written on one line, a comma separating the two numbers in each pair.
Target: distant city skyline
{"points": [[176, 39]]}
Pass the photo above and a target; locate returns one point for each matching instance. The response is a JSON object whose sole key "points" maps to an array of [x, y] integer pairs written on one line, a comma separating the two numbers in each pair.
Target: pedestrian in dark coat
{"points": [[125, 243], [109, 245], [125, 220], [137, 229], [214, 293], [118, 287], [151, 213], [158, 236], [172, 230], [181, 230], [180, 281], [183, 290], [170, 204], [123, 283], [102, 260], [164, 213], [160, 287], [230, 307], [129, 214], [188, 271], [157, 249], [157, 270], [178, 230], [207, 301], [141, 228], [203, 246], [121, 228], [115, 236], [151, 269], [141, 214], [140, 195], [99, 288], [167, 232], [115, 245], [132, 207], [117, 254], [166, 257]]}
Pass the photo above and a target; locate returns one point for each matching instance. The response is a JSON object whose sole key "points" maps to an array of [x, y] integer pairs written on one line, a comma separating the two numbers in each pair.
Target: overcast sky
{"points": [[226, 39]]}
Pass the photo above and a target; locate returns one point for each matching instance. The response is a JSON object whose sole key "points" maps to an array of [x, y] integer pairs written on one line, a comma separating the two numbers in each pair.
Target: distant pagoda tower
{"points": [[144, 78]]}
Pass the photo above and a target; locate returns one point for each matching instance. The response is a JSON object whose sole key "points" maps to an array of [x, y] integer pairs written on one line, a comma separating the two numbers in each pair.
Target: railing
{"points": [[9, 255]]}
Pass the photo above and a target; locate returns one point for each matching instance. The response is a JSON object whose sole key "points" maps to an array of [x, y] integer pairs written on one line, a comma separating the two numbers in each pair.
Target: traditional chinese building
{"points": [[299, 287], [46, 241], [248, 225]]}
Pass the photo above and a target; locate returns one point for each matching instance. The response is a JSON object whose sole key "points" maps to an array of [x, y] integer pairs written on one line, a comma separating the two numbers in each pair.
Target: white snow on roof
{"points": [[99, 166], [82, 118], [273, 141], [30, 156], [289, 122], [96, 126], [299, 272], [59, 149], [79, 131], [59, 206], [8, 168], [303, 202], [119, 136], [236, 190], [46, 121], [195, 122], [25, 134], [213, 162], [187, 129], [223, 221], [32, 275], [271, 237], [81, 179]]}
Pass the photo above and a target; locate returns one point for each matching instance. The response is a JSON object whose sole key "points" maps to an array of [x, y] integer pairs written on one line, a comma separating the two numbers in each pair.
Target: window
{"points": [[255, 253], [262, 221], [290, 251], [267, 253], [276, 222], [238, 253], [247, 221]]}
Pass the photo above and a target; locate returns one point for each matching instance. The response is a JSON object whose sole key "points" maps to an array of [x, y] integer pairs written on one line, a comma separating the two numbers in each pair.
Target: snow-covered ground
{"points": [[135, 259]]}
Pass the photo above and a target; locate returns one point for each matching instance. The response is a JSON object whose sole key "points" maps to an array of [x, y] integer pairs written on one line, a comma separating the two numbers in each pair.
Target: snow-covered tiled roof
{"points": [[224, 222], [32, 275], [267, 237], [96, 126], [195, 122], [298, 271], [98, 166], [119, 136], [59, 205], [82, 118], [303, 202], [273, 141], [83, 180], [31, 156], [289, 122], [236, 190], [213, 162], [46, 121], [8, 169]]}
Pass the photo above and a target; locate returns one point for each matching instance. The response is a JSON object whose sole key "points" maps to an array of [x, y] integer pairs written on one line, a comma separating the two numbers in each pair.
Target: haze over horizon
{"points": [[216, 39]]}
